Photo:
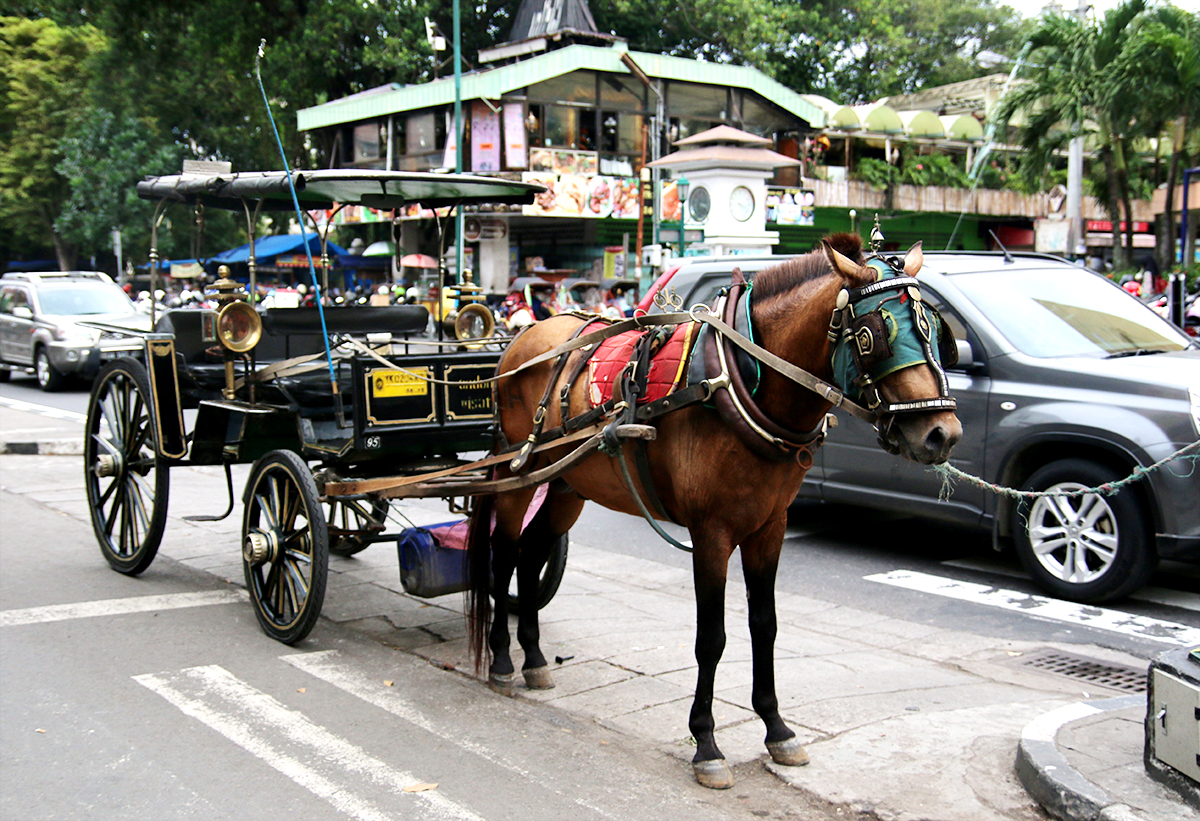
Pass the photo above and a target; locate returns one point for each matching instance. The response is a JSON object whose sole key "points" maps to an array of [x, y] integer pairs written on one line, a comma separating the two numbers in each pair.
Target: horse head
{"points": [[889, 351]]}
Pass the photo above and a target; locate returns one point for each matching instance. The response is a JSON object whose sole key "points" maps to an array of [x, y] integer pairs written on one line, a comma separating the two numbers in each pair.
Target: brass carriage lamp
{"points": [[473, 320], [239, 327]]}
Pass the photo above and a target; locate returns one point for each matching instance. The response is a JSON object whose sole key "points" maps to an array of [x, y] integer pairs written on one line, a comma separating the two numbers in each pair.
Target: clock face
{"points": [[741, 203], [699, 203]]}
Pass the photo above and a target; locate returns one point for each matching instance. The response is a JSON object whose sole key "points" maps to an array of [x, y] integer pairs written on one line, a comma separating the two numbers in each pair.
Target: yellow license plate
{"points": [[409, 382]]}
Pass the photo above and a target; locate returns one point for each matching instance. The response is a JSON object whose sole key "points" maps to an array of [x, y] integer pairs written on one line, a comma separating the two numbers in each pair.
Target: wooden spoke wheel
{"points": [[353, 522], [127, 481], [285, 546], [548, 580]]}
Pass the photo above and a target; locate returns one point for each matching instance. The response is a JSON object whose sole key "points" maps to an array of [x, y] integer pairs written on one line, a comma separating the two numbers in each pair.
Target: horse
{"points": [[726, 493]]}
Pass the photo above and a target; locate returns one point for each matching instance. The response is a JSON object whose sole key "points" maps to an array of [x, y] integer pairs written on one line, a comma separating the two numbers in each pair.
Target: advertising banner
{"points": [[514, 135], [485, 137], [579, 195], [790, 206]]}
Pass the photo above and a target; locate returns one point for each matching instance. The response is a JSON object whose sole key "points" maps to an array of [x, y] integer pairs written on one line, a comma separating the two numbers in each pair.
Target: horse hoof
{"points": [[503, 683], [714, 774], [538, 678], [789, 752]]}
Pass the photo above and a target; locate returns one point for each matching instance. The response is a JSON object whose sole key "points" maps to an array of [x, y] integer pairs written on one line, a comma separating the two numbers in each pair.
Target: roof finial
{"points": [[876, 235]]}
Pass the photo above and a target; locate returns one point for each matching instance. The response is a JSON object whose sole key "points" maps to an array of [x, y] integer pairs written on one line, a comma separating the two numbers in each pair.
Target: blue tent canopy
{"points": [[267, 248]]}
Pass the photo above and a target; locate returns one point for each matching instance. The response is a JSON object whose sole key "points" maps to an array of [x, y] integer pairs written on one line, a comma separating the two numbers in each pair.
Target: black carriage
{"points": [[311, 397]]}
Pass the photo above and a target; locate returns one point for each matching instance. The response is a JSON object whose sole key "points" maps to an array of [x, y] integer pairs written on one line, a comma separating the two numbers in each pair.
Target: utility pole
{"points": [[1076, 244], [459, 251]]}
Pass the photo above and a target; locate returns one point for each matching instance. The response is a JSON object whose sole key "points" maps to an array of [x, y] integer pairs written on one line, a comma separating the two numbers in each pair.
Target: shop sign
{"points": [[477, 228], [790, 206], [514, 135], [579, 195], [1106, 225], [351, 215]]}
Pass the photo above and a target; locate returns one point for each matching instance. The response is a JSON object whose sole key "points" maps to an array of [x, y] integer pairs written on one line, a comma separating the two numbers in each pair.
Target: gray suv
{"points": [[39, 324], [1064, 382]]}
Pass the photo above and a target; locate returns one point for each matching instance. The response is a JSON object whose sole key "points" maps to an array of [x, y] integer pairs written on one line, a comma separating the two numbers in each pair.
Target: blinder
{"points": [[884, 327]]}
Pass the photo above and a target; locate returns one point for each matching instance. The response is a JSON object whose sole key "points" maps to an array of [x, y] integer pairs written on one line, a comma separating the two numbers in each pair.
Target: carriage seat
{"points": [[289, 332]]}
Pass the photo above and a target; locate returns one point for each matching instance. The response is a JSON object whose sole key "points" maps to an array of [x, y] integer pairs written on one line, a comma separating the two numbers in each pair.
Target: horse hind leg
{"points": [[710, 563], [510, 511], [556, 515]]}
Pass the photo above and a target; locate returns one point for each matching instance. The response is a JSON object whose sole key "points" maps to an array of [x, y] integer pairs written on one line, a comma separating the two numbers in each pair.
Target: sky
{"points": [[1031, 8]]}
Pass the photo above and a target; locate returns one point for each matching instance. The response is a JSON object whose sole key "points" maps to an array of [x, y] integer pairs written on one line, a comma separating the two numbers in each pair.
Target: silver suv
{"points": [[1064, 382], [39, 324]]}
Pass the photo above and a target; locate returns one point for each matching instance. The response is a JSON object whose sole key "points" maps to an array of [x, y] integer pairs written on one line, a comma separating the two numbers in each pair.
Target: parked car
{"points": [[39, 324], [1064, 382]]}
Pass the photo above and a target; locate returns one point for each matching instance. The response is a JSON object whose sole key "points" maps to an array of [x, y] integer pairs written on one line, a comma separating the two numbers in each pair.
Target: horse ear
{"points": [[914, 259], [738, 277], [841, 263]]}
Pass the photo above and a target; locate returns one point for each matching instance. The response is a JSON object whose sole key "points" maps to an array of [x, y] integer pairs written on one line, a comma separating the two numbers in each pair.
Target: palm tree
{"points": [[1169, 48], [1080, 82]]}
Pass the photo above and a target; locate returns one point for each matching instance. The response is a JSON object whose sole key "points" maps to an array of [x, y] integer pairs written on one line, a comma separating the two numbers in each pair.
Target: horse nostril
{"points": [[935, 440]]}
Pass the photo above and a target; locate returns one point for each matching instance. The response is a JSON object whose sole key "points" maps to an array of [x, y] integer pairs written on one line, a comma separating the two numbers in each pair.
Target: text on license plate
{"points": [[408, 382]]}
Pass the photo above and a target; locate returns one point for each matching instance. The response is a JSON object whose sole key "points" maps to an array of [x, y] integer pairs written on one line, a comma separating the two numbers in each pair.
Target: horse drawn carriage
{"points": [[719, 408], [307, 396]]}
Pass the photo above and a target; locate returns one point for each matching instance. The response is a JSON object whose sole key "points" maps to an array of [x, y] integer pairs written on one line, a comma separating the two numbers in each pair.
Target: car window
{"points": [[12, 297], [1067, 312], [83, 298]]}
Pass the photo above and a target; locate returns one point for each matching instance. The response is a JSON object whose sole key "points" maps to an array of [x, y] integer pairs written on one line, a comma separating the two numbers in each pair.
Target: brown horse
{"points": [[706, 478]]}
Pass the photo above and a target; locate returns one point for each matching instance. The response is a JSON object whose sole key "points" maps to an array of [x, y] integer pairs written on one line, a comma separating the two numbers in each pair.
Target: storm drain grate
{"points": [[1127, 679]]}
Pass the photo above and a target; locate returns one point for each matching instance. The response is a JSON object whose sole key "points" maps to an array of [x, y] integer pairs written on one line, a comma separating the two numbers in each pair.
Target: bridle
{"points": [[882, 328]]}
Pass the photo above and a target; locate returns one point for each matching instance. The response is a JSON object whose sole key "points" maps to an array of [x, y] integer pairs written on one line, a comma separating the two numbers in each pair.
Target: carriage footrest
{"points": [[433, 560]]}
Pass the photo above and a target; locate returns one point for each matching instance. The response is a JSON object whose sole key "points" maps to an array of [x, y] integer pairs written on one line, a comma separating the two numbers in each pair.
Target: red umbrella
{"points": [[417, 261]]}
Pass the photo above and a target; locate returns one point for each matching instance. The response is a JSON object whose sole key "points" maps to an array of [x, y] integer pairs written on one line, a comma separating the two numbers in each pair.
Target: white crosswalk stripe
{"points": [[314, 758], [116, 607], [326, 665], [1081, 615]]}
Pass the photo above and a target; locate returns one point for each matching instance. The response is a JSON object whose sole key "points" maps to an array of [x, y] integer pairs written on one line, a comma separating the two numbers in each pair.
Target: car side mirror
{"points": [[22, 312], [966, 359]]}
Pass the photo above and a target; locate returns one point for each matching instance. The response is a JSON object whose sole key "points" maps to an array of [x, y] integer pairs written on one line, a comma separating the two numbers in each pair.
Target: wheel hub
{"points": [[106, 465], [260, 547]]}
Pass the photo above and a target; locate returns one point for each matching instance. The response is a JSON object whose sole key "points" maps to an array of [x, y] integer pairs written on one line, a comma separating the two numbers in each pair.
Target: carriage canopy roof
{"points": [[323, 188]]}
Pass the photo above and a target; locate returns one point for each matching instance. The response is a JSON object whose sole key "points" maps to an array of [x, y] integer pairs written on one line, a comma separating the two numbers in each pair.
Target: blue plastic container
{"points": [[432, 559]]}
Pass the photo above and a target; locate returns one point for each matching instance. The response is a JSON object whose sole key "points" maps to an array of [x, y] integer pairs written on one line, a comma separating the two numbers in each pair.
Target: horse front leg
{"points": [[710, 564], [760, 561]]}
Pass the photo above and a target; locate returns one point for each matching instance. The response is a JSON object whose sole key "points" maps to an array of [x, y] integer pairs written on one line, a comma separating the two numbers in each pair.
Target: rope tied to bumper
{"points": [[950, 474]]}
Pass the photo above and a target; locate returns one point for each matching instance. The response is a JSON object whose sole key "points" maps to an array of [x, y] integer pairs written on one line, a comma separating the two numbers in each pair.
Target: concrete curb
{"points": [[1049, 777], [51, 447]]}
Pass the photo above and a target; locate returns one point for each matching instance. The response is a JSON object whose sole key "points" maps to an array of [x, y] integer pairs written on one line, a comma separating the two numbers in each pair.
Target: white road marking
{"points": [[324, 665], [1083, 615], [1154, 595], [323, 763], [44, 410], [116, 607]]}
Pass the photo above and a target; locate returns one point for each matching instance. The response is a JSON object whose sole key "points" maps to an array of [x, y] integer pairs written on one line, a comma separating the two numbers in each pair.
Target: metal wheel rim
{"points": [[281, 586], [350, 521], [123, 432], [1074, 538], [42, 366]]}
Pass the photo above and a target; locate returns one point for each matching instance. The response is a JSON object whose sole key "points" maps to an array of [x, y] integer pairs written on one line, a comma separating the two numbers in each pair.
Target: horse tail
{"points": [[479, 569]]}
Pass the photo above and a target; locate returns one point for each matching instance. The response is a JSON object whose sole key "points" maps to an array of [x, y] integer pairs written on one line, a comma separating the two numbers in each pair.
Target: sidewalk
{"points": [[903, 721]]}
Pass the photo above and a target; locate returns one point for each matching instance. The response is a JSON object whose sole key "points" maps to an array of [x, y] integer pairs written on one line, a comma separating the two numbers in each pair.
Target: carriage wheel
{"points": [[352, 523], [127, 481], [549, 579], [285, 546]]}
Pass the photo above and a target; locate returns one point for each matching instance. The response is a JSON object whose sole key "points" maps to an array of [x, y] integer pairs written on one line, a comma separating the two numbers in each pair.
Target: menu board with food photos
{"points": [[579, 195], [790, 206]]}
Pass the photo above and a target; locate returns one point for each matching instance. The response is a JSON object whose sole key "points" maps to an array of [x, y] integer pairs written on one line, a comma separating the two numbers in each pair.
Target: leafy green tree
{"points": [[44, 74], [1082, 81], [1169, 47]]}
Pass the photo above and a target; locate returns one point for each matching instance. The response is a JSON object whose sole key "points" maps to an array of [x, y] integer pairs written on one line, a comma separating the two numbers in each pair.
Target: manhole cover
{"points": [[1093, 671]]}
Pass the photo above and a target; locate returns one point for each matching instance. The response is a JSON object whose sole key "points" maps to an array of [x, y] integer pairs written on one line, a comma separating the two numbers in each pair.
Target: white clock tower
{"points": [[727, 173]]}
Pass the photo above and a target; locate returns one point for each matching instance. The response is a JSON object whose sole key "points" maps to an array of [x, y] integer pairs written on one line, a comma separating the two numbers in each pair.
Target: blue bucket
{"points": [[433, 560]]}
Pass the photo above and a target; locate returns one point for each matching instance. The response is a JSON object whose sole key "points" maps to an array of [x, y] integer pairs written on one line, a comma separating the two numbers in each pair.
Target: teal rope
{"points": [[950, 474], [312, 269]]}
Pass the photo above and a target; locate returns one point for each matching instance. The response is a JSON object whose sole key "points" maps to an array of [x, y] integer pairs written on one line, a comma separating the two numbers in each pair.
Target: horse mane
{"points": [[788, 275]]}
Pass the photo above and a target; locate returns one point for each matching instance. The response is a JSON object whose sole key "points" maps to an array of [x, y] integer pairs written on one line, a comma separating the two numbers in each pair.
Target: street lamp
{"points": [[682, 186]]}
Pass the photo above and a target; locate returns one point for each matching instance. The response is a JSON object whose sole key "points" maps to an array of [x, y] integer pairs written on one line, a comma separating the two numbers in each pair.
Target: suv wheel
{"points": [[49, 378], [1088, 548]]}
